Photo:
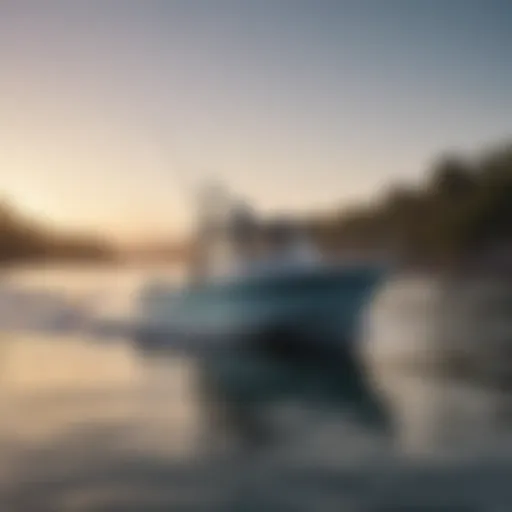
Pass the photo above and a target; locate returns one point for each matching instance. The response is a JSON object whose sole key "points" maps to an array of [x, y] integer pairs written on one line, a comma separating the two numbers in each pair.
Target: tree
{"points": [[25, 239], [463, 206]]}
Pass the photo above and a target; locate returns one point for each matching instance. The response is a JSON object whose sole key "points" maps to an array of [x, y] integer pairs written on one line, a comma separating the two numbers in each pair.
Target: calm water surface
{"points": [[90, 423]]}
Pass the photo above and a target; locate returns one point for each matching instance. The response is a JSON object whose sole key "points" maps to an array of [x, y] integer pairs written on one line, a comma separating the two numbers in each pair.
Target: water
{"points": [[90, 423]]}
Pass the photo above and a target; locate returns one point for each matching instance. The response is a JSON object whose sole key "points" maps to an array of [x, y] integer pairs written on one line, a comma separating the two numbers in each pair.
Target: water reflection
{"points": [[86, 423], [441, 415]]}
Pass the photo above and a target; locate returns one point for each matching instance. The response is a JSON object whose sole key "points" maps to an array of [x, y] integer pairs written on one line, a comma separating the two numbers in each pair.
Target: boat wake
{"points": [[103, 311]]}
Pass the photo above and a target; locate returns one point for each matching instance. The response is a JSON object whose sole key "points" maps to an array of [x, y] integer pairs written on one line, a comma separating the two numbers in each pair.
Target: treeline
{"points": [[464, 205], [23, 239]]}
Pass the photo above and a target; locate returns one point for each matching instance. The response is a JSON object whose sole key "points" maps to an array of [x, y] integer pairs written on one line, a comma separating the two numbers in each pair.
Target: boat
{"points": [[259, 285]]}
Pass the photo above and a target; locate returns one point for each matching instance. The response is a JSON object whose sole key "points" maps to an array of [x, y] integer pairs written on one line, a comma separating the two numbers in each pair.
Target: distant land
{"points": [[23, 239], [464, 205], [26, 240]]}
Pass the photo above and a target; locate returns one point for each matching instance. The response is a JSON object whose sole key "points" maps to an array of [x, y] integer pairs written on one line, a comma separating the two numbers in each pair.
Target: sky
{"points": [[114, 111]]}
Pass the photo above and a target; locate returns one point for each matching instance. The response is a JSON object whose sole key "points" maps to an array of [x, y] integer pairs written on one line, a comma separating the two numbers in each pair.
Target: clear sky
{"points": [[109, 106]]}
